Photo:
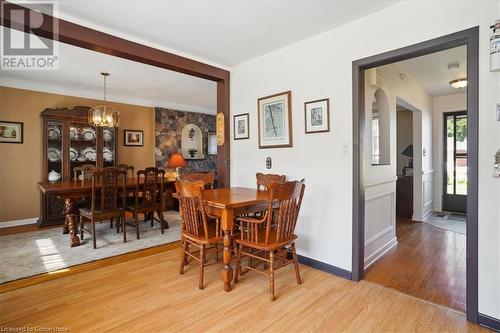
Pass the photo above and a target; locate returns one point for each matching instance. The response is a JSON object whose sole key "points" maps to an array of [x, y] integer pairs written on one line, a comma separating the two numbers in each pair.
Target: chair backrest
{"points": [[128, 168], [85, 170], [208, 178], [263, 180], [107, 184], [152, 180], [281, 216], [192, 208]]}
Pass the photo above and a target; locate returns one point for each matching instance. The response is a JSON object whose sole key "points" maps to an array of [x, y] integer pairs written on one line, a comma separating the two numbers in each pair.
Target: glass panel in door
{"points": [[54, 151], [108, 151], [82, 145]]}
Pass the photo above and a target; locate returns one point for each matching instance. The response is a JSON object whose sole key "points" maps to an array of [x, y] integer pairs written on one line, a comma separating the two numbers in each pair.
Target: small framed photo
{"points": [[11, 132], [317, 116], [240, 126], [212, 144], [275, 120], [133, 138]]}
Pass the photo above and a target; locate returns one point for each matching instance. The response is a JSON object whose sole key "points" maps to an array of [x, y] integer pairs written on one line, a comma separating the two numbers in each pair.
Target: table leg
{"points": [[70, 222], [227, 271]]}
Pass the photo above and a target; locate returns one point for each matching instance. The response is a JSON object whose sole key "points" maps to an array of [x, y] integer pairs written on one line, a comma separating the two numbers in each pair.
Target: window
{"points": [[375, 139]]}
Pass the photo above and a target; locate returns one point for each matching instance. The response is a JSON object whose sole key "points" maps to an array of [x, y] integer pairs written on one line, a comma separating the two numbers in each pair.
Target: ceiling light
{"points": [[104, 115], [459, 83]]}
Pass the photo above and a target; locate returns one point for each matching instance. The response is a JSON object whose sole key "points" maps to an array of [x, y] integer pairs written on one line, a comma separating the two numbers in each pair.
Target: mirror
{"points": [[380, 129]]}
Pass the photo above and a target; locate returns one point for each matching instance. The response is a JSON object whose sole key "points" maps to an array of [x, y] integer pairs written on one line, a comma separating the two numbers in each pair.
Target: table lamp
{"points": [[176, 161]]}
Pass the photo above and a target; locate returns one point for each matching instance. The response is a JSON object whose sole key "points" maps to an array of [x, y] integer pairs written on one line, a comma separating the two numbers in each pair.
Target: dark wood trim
{"points": [[290, 132], [470, 38], [489, 322], [327, 116], [340, 272], [125, 138], [87, 38], [248, 126]]}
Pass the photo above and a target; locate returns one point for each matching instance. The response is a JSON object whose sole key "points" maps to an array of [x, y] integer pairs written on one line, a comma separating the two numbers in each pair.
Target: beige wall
{"points": [[21, 164], [404, 120]]}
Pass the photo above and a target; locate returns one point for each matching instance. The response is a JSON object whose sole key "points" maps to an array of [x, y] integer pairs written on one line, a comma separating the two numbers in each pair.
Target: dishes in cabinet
{"points": [[88, 134], [107, 135], [53, 154], [54, 176], [89, 153], [107, 154], [73, 133], [53, 132], [81, 159], [73, 153]]}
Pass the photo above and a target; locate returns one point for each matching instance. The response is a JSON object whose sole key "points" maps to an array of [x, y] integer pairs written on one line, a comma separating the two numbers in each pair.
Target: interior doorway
{"points": [[455, 162], [469, 38]]}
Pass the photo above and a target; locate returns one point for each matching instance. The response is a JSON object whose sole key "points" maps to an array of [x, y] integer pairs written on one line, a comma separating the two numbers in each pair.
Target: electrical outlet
{"points": [[498, 111], [269, 163]]}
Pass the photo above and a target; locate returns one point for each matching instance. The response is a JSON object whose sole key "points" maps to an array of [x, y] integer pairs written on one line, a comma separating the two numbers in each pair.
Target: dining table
{"points": [[72, 191], [228, 203]]}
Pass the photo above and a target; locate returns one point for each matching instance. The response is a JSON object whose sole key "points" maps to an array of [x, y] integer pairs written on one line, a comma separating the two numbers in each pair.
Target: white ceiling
{"points": [[432, 72], [130, 82], [222, 32]]}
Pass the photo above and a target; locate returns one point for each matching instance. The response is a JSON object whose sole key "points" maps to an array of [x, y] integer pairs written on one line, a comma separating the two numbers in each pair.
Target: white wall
{"points": [[440, 105], [404, 137], [321, 66]]}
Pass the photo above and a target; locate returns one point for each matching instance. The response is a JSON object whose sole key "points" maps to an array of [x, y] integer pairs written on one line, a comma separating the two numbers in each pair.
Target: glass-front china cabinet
{"points": [[69, 141]]}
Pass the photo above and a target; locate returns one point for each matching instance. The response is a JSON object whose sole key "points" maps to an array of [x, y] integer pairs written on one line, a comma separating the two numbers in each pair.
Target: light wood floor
{"points": [[148, 294], [428, 263]]}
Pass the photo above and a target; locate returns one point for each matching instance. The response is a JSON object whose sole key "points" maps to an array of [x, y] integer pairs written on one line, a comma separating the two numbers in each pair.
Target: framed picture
{"points": [[317, 116], [240, 126], [11, 132], [134, 138], [275, 120], [212, 144]]}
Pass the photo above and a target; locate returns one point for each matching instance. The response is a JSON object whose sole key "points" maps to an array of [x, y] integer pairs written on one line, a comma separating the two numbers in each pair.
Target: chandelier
{"points": [[104, 115]]}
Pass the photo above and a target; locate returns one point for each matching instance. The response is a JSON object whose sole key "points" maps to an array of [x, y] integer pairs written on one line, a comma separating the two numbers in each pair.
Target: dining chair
{"points": [[148, 196], [275, 239], [84, 171], [264, 179], [129, 168], [199, 228], [208, 178], [107, 201]]}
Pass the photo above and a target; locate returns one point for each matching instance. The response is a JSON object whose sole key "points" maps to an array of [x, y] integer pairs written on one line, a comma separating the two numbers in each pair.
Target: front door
{"points": [[455, 162]]}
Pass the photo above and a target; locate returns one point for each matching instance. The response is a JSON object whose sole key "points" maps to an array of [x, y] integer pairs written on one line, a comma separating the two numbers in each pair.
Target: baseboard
{"points": [[16, 223], [383, 250], [427, 215], [489, 322], [340, 272]]}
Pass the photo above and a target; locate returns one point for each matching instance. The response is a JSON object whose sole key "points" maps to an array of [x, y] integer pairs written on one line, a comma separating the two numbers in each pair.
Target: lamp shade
{"points": [[176, 161], [408, 151]]}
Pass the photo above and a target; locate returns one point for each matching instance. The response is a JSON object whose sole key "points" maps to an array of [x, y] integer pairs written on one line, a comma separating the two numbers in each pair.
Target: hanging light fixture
{"points": [[104, 115], [459, 83]]}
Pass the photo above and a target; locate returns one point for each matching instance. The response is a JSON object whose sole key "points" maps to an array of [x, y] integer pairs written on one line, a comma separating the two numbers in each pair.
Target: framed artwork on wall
{"points": [[11, 132], [133, 138], [317, 116], [240, 126], [275, 120]]}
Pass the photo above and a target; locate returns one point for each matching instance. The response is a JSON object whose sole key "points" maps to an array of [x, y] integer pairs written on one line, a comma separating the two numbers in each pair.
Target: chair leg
{"points": [[137, 224], [202, 266], [93, 232], [296, 264], [216, 252], [238, 261], [111, 222], [271, 275], [124, 226], [151, 216], [183, 256], [80, 225]]}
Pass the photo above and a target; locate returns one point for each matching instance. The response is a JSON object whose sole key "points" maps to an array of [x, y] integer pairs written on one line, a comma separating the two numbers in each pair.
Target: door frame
{"points": [[470, 38], [445, 152], [87, 38]]}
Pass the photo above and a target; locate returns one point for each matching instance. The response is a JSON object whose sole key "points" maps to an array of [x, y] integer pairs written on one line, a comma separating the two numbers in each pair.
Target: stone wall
{"points": [[168, 128]]}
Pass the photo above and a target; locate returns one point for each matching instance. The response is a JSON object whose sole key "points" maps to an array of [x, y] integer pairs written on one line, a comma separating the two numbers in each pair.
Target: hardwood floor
{"points": [[147, 294], [427, 262]]}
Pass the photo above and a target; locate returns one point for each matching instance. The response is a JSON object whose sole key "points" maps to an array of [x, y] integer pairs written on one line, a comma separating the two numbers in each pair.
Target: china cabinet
{"points": [[68, 142]]}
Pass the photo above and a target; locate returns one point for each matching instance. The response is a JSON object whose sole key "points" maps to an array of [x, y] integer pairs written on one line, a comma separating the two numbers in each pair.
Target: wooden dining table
{"points": [[227, 203], [73, 191]]}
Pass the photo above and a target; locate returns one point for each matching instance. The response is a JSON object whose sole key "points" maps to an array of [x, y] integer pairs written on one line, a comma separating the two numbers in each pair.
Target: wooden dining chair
{"points": [[271, 241], [148, 196], [199, 228], [107, 201], [129, 168], [84, 171], [208, 178], [263, 180]]}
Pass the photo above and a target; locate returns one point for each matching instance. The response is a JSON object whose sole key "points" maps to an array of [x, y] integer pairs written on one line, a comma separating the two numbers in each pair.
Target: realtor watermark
{"points": [[29, 36], [33, 328]]}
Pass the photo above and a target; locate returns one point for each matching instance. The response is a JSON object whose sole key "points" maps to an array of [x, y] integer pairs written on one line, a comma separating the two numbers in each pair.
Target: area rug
{"points": [[32, 253], [452, 222]]}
